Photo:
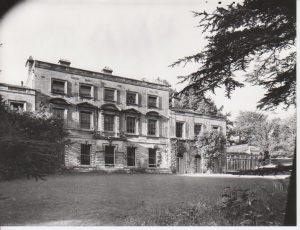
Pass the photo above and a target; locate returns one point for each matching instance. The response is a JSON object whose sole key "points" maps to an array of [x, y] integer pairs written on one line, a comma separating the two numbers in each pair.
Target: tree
{"points": [[276, 136], [31, 144], [258, 35], [210, 146]]}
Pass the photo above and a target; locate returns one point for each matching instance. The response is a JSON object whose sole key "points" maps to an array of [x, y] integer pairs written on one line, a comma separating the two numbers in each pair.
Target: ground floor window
{"points": [[85, 158], [109, 155], [152, 157], [130, 156]]}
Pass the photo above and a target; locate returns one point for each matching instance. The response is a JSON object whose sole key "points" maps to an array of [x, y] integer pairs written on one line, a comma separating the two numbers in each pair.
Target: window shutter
{"points": [[69, 89], [139, 99], [186, 130], [118, 96], [159, 102], [95, 88]]}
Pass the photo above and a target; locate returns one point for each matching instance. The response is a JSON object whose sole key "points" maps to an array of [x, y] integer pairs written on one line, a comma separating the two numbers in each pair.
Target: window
{"points": [[58, 112], [197, 129], [152, 158], [216, 128], [109, 94], [85, 155], [152, 102], [130, 156], [17, 105], [85, 120], [151, 127], [130, 124], [131, 98], [85, 91], [179, 126], [109, 157], [109, 122], [58, 86]]}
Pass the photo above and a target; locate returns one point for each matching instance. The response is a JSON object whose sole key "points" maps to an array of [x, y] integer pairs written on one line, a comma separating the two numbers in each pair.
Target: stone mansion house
{"points": [[114, 123]]}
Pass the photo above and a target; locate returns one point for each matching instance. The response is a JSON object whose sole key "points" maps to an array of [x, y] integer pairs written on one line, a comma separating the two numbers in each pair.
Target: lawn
{"points": [[113, 199]]}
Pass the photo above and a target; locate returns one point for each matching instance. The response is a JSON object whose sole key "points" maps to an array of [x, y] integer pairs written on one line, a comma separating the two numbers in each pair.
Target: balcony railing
{"points": [[107, 135]]}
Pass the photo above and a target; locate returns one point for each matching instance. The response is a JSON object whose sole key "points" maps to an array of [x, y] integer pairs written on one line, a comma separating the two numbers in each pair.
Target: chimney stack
{"points": [[64, 62], [22, 83], [107, 70]]}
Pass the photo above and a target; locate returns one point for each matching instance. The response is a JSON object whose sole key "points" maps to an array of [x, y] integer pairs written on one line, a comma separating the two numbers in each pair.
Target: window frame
{"points": [[114, 97], [135, 125], [155, 126], [134, 156], [80, 119], [89, 154], [197, 124], [176, 131], [136, 98], [10, 102], [58, 92], [155, 158], [113, 122], [156, 101], [114, 156], [91, 96], [59, 108]]}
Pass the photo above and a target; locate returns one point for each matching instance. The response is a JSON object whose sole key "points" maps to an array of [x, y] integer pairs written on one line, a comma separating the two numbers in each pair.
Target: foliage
{"points": [[256, 35], [237, 207], [31, 143], [210, 145], [276, 136]]}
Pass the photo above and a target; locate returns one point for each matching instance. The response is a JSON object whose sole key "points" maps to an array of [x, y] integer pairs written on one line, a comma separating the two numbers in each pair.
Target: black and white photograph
{"points": [[148, 113]]}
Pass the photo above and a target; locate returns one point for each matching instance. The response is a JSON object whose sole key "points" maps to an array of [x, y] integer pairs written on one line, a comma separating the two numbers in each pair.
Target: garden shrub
{"points": [[31, 144]]}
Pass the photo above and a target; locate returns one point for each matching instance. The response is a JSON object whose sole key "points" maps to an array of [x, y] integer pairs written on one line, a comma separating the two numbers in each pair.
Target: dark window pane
{"points": [[216, 128], [179, 129], [109, 155], [58, 112], [197, 129], [152, 157], [85, 90], [58, 86], [85, 120], [130, 156], [85, 154], [131, 98], [109, 94], [151, 127], [152, 101], [109, 122], [130, 124], [17, 105]]}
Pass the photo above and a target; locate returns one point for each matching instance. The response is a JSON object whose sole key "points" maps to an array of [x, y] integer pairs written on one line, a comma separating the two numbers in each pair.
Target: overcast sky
{"points": [[135, 38]]}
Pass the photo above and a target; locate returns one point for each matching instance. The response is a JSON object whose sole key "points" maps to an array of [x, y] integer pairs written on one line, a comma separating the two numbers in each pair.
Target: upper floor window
{"points": [[59, 112], [85, 119], [58, 86], [109, 122], [216, 128], [16, 105], [152, 101], [130, 124], [151, 127], [131, 98], [179, 129], [197, 129], [109, 94], [85, 91]]}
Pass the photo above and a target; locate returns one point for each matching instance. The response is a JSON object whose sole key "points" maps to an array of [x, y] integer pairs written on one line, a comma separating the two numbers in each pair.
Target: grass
{"points": [[122, 199]]}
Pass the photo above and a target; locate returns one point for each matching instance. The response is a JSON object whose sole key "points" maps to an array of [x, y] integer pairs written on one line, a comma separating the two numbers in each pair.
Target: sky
{"points": [[136, 38]]}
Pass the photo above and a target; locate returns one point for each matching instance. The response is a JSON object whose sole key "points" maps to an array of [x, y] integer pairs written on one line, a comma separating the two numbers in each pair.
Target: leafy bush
{"points": [[31, 144]]}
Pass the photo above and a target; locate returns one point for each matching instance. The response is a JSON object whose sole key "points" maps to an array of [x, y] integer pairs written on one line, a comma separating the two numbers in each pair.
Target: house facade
{"points": [[114, 123], [18, 97]]}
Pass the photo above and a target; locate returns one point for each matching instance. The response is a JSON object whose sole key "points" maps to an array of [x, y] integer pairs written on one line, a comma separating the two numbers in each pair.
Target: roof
{"points": [[16, 86], [190, 111], [101, 75]]}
